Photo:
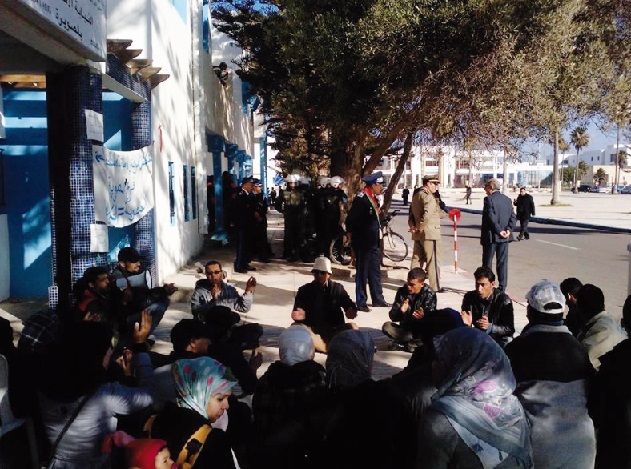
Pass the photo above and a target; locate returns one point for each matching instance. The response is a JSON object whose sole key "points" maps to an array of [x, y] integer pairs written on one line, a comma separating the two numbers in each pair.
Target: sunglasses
{"points": [[319, 272], [213, 272]]}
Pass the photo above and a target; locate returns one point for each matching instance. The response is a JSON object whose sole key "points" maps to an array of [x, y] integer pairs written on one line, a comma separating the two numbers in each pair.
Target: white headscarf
{"points": [[295, 345]]}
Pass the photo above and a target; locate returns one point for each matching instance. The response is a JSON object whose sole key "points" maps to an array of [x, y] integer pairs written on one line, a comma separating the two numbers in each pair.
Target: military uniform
{"points": [[243, 219], [425, 215], [329, 203], [290, 203]]}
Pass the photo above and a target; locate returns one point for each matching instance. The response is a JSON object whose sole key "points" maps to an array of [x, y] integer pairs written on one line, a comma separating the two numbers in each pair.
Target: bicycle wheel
{"points": [[394, 247], [340, 250]]}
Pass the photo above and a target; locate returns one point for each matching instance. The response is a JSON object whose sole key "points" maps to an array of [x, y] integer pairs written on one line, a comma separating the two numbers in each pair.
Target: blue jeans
{"points": [[157, 311]]}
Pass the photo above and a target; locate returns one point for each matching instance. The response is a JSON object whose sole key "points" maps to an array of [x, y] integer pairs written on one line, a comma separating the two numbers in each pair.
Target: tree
{"points": [[581, 170], [579, 139], [600, 176]]}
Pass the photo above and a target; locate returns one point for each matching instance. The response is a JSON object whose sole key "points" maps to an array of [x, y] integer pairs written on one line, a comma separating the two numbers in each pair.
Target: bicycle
{"points": [[393, 245]]}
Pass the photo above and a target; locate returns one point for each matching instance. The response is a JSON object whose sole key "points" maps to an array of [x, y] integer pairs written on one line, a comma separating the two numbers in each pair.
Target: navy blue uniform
{"points": [[363, 223]]}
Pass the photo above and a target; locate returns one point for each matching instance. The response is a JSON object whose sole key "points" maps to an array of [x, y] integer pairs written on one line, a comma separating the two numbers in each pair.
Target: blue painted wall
{"points": [[27, 185], [27, 192]]}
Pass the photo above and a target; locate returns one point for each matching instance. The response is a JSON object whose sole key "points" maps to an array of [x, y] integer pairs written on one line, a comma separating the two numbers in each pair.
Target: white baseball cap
{"points": [[546, 297]]}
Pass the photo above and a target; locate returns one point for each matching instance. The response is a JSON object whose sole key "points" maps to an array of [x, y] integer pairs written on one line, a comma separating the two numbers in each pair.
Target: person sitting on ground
{"points": [[365, 429], [413, 302], [133, 292], [137, 453], [413, 386], [475, 420], [321, 305], [21, 391], [193, 339], [601, 332], [78, 408], [570, 287], [203, 387], [610, 402], [92, 292], [289, 403], [213, 292], [553, 371], [489, 309]]}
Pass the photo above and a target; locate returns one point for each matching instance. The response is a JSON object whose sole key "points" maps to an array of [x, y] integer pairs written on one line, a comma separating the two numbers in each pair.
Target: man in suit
{"points": [[498, 222]]}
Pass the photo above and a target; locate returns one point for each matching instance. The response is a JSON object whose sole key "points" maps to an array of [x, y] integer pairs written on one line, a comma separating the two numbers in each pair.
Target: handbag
{"points": [[63, 431]]}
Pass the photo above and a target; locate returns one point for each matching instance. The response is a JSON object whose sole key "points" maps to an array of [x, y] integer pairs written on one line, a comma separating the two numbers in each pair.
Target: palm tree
{"points": [[563, 146], [579, 139]]}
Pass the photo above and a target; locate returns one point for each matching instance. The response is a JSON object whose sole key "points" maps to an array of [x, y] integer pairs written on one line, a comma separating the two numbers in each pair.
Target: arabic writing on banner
{"points": [[83, 20], [123, 185]]}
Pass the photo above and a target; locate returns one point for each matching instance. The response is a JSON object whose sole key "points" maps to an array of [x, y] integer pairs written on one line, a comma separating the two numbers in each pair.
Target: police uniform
{"points": [[425, 215], [290, 203], [260, 244], [365, 227], [244, 223], [329, 202]]}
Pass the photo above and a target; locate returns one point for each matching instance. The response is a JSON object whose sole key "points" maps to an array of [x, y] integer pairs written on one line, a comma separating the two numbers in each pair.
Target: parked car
{"points": [[626, 190], [583, 188], [600, 189]]}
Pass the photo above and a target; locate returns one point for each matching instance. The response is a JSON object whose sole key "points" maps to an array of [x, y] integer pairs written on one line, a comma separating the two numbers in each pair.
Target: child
{"points": [[141, 453]]}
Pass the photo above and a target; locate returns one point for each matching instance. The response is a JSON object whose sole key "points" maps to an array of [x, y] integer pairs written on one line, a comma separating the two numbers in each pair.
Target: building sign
{"points": [[123, 185], [82, 20]]}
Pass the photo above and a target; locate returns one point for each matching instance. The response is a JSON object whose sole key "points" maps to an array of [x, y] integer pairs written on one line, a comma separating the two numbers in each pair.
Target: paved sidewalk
{"points": [[278, 281]]}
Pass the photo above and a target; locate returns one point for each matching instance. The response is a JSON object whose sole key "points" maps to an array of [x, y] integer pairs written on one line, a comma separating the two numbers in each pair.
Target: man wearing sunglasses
{"points": [[322, 304], [211, 298]]}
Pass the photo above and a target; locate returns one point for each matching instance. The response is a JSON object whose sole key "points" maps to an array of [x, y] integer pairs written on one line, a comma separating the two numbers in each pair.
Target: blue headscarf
{"points": [[349, 359], [199, 379]]}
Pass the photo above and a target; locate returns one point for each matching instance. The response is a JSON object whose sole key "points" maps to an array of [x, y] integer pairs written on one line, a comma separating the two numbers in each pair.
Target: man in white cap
{"points": [[321, 305], [363, 222], [552, 370]]}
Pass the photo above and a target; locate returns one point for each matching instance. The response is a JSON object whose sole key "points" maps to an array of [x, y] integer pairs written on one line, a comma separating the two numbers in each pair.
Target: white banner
{"points": [[123, 185]]}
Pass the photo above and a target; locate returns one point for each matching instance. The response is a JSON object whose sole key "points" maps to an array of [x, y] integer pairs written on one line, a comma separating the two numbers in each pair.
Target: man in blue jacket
{"points": [[498, 223]]}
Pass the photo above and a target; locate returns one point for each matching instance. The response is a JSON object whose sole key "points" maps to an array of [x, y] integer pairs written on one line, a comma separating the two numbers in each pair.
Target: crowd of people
{"points": [[473, 394]]}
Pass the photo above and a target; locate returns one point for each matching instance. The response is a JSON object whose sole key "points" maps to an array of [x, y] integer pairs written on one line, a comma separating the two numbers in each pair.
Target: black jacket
{"points": [[324, 307], [363, 222], [525, 206], [425, 299], [498, 308], [497, 216]]}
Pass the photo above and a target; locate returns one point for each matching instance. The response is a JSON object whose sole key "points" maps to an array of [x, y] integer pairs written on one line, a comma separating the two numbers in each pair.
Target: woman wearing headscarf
{"points": [[364, 428], [289, 403], [203, 386], [474, 420]]}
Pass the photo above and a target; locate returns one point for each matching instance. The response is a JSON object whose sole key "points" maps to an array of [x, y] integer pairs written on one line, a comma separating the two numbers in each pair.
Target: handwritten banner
{"points": [[83, 20], [123, 185]]}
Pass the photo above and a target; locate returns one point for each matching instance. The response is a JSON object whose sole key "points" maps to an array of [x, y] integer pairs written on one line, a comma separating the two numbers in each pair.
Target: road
{"points": [[553, 252]]}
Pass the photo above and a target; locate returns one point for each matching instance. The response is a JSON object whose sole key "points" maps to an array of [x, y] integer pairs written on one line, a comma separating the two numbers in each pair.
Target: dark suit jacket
{"points": [[497, 216]]}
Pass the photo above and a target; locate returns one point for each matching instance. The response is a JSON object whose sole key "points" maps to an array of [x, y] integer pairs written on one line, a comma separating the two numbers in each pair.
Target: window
{"points": [[612, 158], [185, 193], [193, 193], [171, 192]]}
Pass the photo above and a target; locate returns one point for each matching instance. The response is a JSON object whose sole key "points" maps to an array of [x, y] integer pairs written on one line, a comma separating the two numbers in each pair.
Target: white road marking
{"points": [[557, 244]]}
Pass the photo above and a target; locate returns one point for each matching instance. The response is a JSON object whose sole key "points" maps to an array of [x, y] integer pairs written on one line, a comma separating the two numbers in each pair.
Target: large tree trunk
{"points": [[382, 148], [407, 149], [347, 157]]}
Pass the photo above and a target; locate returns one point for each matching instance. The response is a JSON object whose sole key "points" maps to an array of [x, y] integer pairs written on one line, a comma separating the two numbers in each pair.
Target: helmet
{"points": [[324, 181], [292, 178], [337, 181], [306, 180]]}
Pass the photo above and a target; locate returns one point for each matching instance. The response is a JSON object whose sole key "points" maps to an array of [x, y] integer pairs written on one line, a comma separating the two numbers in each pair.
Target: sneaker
{"points": [[365, 309]]}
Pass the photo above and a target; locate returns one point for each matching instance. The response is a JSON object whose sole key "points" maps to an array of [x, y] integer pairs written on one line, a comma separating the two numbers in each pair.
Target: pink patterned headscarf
{"points": [[199, 379]]}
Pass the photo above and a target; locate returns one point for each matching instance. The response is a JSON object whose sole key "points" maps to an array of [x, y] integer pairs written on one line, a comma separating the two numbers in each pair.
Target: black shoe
{"points": [[527, 236], [241, 271], [381, 304], [249, 267], [365, 309], [396, 347], [441, 290]]}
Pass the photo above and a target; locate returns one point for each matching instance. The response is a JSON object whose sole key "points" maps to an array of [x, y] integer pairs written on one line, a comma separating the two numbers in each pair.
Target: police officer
{"points": [[290, 203], [424, 221], [243, 219], [332, 200], [307, 246], [261, 246], [363, 222]]}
